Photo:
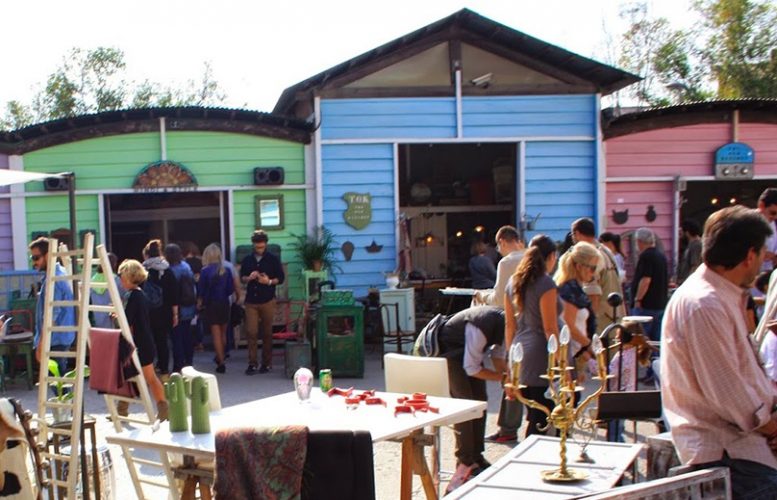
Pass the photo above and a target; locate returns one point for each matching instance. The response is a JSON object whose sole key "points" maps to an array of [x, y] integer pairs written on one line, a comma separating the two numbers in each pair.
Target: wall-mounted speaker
{"points": [[57, 183], [268, 176]]}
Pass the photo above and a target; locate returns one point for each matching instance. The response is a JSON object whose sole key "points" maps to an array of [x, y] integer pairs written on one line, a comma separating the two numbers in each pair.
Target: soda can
{"points": [[325, 379]]}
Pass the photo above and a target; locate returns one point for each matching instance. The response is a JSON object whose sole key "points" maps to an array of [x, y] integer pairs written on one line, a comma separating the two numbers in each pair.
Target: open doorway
{"points": [[453, 196], [133, 219]]}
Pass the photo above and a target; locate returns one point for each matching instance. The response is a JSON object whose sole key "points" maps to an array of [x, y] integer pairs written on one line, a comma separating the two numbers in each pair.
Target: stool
{"points": [[58, 441], [12, 350]]}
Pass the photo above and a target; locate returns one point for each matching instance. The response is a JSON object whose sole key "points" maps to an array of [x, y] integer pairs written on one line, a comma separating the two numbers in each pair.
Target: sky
{"points": [[258, 48]]}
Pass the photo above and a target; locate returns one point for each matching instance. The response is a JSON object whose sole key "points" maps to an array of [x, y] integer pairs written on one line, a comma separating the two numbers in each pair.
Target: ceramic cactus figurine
{"points": [[175, 392], [200, 406]]}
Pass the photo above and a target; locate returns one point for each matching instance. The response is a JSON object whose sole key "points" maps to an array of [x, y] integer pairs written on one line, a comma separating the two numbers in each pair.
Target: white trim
{"points": [[601, 169], [415, 211], [676, 197], [459, 122], [395, 151], [310, 193], [222, 222], [319, 163], [18, 216], [521, 183], [135, 191], [162, 138], [101, 218], [445, 140], [231, 216], [690, 178]]}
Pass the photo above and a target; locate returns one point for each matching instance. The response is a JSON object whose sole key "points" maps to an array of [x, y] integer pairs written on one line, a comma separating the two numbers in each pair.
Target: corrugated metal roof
{"points": [[606, 78]]}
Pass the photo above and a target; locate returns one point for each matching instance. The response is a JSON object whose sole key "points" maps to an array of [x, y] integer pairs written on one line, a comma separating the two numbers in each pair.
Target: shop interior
{"points": [[134, 219], [454, 195]]}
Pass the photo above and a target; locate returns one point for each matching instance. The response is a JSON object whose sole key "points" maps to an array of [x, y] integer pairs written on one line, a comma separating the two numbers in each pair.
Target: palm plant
{"points": [[317, 250]]}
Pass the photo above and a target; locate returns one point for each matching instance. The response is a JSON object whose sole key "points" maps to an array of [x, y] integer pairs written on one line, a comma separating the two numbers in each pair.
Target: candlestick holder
{"points": [[562, 388]]}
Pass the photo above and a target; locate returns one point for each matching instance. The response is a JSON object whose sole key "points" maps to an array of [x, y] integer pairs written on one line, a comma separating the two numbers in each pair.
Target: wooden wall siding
{"points": [[635, 197], [6, 238], [48, 213], [687, 150], [361, 169], [215, 158], [388, 118], [530, 116], [560, 184], [244, 223]]}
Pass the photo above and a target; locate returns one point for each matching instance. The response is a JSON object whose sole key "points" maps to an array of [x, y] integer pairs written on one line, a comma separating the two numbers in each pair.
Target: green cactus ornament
{"points": [[175, 392], [200, 406]]}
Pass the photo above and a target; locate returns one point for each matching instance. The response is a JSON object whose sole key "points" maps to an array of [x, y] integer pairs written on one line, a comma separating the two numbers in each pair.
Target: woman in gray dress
{"points": [[532, 309]]}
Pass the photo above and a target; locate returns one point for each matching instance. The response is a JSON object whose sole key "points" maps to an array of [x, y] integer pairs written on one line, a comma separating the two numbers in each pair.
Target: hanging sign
{"points": [[734, 161], [165, 176], [359, 212]]}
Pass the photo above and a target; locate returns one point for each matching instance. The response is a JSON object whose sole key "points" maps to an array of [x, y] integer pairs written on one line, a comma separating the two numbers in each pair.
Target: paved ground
{"points": [[235, 387]]}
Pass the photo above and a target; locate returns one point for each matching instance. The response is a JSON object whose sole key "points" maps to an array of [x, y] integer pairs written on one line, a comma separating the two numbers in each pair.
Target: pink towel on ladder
{"points": [[106, 362]]}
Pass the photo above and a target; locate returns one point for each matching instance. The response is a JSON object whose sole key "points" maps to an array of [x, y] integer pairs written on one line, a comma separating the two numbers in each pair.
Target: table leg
{"points": [[406, 484], [204, 491], [189, 488], [414, 461], [28, 360], [422, 469]]}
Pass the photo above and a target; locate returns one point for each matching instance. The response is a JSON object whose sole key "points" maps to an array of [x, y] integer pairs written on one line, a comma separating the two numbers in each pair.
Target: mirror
{"points": [[269, 212]]}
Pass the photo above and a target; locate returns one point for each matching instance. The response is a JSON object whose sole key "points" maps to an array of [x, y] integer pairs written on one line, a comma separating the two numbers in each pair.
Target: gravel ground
{"points": [[235, 387]]}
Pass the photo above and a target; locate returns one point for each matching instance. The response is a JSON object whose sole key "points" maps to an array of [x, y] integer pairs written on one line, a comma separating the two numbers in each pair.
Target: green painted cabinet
{"points": [[340, 340]]}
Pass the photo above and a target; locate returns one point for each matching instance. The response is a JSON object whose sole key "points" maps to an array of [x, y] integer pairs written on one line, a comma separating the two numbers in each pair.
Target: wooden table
{"points": [[517, 474], [321, 413]]}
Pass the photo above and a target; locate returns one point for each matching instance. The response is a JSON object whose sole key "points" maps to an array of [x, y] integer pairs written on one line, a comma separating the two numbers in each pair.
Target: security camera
{"points": [[483, 81]]}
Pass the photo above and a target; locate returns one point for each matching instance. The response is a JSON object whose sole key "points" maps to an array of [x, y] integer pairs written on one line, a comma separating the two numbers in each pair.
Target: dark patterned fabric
{"points": [[572, 292], [260, 463]]}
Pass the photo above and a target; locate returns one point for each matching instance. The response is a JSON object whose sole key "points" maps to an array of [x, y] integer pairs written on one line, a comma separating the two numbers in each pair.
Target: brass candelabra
{"points": [[562, 387]]}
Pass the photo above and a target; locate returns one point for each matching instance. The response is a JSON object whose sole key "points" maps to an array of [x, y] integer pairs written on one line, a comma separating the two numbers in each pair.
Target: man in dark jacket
{"points": [[464, 341], [261, 271]]}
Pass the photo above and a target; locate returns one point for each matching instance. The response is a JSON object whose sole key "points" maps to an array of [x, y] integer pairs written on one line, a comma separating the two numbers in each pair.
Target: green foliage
{"points": [[319, 246], [732, 53], [92, 81], [60, 386]]}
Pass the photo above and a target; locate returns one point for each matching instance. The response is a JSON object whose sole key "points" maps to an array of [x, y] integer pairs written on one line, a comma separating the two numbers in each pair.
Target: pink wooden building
{"points": [[660, 165]]}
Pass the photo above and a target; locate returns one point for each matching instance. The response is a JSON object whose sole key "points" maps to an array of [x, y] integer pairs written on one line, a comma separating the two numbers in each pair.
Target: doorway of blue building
{"points": [[132, 220]]}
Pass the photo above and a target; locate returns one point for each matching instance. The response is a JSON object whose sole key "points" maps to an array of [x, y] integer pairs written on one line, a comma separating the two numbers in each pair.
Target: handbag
{"points": [[236, 314]]}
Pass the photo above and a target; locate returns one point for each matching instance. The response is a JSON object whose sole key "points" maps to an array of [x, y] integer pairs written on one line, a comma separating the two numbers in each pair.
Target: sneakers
{"points": [[500, 438], [251, 370], [462, 475], [264, 369], [222, 368]]}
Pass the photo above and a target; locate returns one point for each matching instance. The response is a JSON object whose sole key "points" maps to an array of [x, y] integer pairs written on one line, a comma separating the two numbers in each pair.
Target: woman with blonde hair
{"points": [[132, 274], [577, 266], [531, 316], [216, 286]]}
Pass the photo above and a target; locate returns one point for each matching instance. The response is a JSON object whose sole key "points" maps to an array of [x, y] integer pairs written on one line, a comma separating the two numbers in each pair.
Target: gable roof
{"points": [[470, 26], [64, 130]]}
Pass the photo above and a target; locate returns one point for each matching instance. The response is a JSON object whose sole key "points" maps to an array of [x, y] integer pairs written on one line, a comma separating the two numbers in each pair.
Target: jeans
{"points": [[749, 480], [470, 435], [183, 345], [653, 328], [510, 415]]}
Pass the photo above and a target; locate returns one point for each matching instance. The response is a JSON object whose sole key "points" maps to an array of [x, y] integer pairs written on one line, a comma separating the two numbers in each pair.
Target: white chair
{"points": [[409, 374], [214, 400]]}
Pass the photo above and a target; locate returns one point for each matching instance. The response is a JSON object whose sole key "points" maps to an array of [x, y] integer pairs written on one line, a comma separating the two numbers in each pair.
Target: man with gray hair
{"points": [[649, 288]]}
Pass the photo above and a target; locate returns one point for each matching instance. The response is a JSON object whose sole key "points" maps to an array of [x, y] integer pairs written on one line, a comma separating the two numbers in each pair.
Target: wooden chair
{"points": [[288, 324], [392, 329]]}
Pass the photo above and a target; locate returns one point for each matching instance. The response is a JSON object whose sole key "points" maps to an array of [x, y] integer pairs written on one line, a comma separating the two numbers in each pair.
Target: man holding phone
{"points": [[260, 271]]}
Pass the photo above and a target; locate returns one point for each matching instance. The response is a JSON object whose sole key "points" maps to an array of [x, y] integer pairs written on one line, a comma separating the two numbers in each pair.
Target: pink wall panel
{"points": [[688, 150], [636, 196]]}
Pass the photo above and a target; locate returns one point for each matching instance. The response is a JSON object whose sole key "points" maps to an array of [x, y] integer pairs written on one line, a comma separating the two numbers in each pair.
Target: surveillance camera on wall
{"points": [[483, 81]]}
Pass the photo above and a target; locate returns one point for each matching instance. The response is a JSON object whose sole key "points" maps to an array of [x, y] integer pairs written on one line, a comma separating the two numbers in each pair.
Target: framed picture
{"points": [[269, 212]]}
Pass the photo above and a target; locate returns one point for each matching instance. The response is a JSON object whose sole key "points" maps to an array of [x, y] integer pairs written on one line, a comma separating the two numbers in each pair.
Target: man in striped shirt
{"points": [[717, 398]]}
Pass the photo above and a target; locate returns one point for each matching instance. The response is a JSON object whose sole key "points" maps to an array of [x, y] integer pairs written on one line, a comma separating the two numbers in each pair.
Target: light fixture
{"points": [[732, 200], [459, 234], [479, 228], [714, 201]]}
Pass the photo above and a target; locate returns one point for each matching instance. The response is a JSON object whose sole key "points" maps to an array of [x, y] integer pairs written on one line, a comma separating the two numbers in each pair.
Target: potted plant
{"points": [[62, 414], [317, 250]]}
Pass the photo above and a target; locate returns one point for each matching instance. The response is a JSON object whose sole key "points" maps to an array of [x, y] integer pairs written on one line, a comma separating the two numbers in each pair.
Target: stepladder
{"points": [[64, 340]]}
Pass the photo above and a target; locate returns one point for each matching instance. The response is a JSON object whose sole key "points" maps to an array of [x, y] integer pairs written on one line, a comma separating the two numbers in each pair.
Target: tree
{"points": [[92, 81]]}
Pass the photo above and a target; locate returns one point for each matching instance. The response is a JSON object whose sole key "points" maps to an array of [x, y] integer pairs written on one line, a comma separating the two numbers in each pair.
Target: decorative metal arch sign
{"points": [[165, 175], [358, 215]]}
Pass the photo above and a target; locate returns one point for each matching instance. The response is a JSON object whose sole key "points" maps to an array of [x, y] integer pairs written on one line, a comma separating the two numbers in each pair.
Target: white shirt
{"points": [[504, 271]]}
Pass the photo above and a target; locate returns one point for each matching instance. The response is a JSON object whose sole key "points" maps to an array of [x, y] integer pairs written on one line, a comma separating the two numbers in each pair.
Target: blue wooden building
{"points": [[457, 128]]}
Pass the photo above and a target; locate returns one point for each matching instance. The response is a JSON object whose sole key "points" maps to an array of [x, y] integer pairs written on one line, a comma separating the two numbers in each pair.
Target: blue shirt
{"points": [[63, 315], [185, 313]]}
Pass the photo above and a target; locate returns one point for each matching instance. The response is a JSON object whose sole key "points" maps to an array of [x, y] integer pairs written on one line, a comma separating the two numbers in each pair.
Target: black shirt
{"points": [[269, 264], [651, 264], [488, 319], [136, 311]]}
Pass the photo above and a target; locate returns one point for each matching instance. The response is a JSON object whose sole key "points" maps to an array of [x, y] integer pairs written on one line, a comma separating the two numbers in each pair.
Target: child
{"points": [[132, 275]]}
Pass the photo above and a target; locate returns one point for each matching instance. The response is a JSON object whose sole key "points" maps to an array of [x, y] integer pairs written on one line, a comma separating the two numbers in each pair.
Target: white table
{"points": [[517, 474], [321, 413]]}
